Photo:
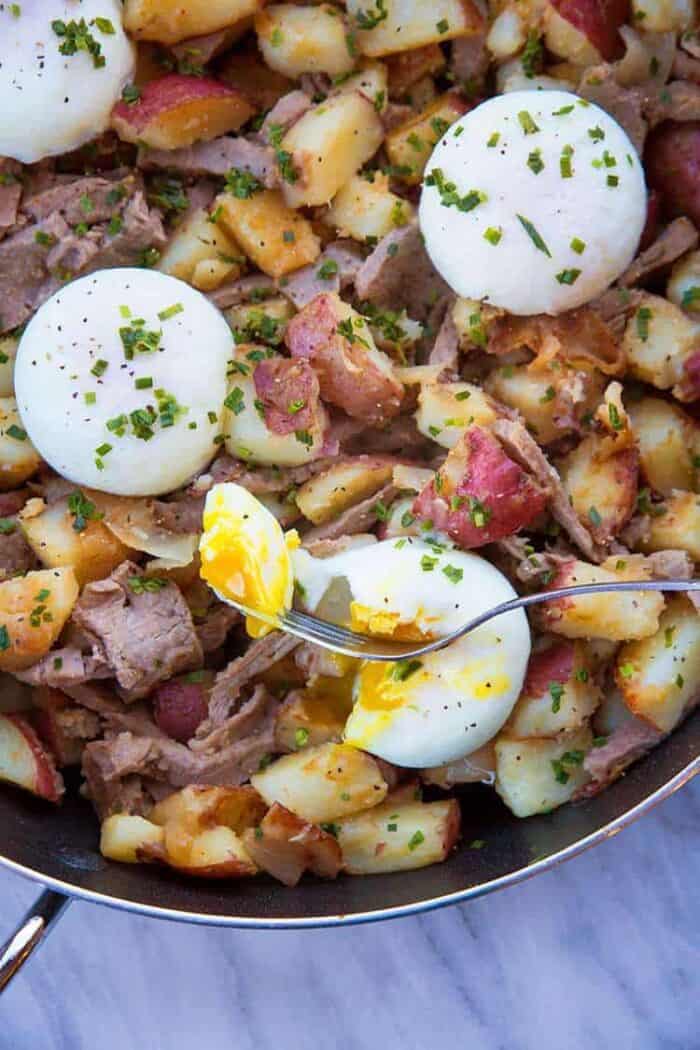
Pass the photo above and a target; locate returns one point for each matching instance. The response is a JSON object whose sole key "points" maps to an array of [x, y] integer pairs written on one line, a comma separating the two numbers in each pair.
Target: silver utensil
{"points": [[341, 640]]}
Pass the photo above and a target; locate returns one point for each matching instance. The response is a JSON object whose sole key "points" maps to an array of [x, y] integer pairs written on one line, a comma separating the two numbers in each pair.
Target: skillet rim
{"points": [[613, 827]]}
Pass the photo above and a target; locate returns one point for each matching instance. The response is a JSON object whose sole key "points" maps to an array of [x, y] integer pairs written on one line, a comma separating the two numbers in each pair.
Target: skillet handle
{"points": [[31, 932]]}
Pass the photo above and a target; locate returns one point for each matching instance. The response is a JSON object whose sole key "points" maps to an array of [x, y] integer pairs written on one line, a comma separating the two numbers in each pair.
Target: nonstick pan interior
{"points": [[59, 847]]}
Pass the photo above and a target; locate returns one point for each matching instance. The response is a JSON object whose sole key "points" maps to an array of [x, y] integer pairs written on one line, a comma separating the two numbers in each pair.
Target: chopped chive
{"points": [[568, 276], [577, 245], [527, 123], [493, 234], [144, 383], [99, 368], [170, 311], [534, 235]]}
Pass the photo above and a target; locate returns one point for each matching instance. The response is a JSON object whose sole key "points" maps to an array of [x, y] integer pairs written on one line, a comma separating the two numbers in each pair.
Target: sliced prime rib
{"points": [[399, 274], [148, 635], [215, 158], [229, 683]]}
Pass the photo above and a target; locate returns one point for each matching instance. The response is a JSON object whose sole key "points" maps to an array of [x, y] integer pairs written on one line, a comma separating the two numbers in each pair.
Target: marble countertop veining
{"points": [[601, 953]]}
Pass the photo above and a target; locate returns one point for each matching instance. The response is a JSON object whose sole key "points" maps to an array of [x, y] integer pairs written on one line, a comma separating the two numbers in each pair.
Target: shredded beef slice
{"points": [[215, 158], [147, 636], [399, 274], [260, 655]]}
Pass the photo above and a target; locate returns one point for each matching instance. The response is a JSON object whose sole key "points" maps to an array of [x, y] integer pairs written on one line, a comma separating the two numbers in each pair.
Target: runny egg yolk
{"points": [[245, 555]]}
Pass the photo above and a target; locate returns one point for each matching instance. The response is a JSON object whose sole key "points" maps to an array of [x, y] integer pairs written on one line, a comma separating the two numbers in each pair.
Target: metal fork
{"points": [[340, 640]]}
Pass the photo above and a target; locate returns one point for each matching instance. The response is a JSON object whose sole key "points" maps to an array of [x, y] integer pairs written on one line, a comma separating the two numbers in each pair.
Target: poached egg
{"points": [[120, 381], [415, 713], [533, 202], [53, 100]]}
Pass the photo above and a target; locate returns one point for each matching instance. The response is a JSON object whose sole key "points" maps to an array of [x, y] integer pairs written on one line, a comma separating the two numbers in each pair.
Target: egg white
{"points": [[79, 327], [53, 103], [514, 273], [456, 699]]}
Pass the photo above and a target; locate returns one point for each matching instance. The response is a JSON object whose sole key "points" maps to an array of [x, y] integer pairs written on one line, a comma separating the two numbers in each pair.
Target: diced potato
{"points": [[274, 236], [286, 846], [326, 495], [363, 209], [124, 836], [245, 70], [18, 457], [683, 286], [568, 40], [663, 16], [472, 318], [533, 394], [217, 853], [407, 68], [658, 676], [200, 241], [298, 39], [669, 443], [246, 433], [399, 836], [409, 146], [678, 528], [545, 709], [370, 81], [507, 34], [323, 783], [195, 809], [658, 339], [168, 21], [409, 25], [33, 610], [313, 716], [445, 410], [250, 320], [536, 776], [614, 616], [92, 552], [601, 484], [210, 273], [8, 352], [329, 144]]}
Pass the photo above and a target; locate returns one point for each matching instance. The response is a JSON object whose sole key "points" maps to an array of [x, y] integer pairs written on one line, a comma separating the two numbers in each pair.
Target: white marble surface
{"points": [[601, 953]]}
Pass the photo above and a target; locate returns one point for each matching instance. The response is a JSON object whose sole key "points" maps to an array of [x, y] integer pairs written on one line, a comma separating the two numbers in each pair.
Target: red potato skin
{"points": [[555, 664], [549, 613], [485, 473], [48, 781], [281, 384], [690, 384], [599, 21], [347, 377], [179, 707], [626, 474], [286, 846], [177, 110], [672, 165]]}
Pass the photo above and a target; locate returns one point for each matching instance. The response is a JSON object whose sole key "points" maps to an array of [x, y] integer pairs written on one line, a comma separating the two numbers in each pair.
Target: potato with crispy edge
{"points": [[363, 208], [616, 617], [124, 837], [538, 775], [202, 829], [18, 457], [659, 676], [329, 144], [409, 25], [274, 236], [445, 410], [326, 495], [169, 21], [296, 39], [677, 528], [540, 395], [93, 552], [322, 783], [409, 145], [200, 242], [600, 480], [178, 110], [399, 836], [669, 444], [559, 693], [33, 610], [658, 340]]}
